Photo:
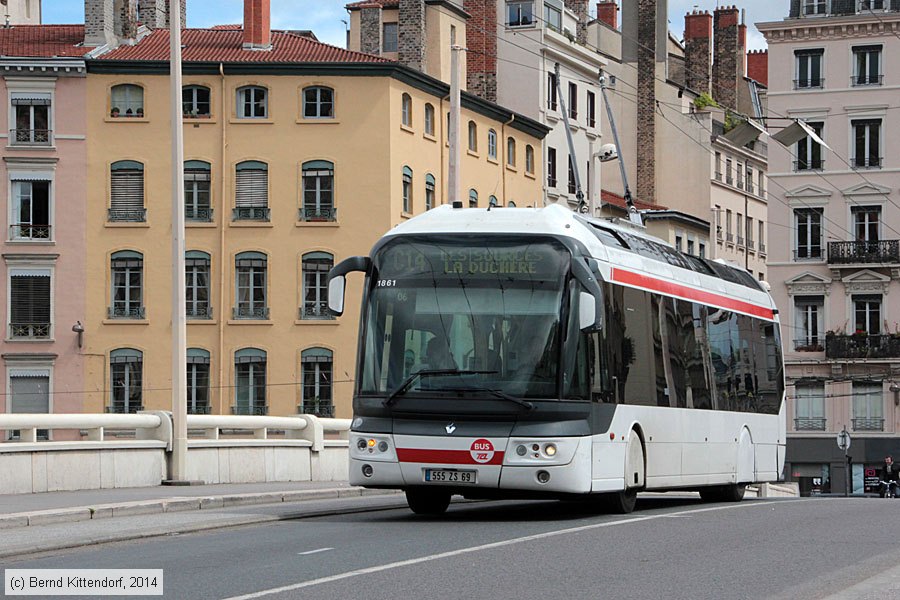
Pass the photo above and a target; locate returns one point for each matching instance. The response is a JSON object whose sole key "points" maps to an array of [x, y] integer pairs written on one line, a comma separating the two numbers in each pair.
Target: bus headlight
{"points": [[537, 451], [375, 447], [521, 450], [550, 450]]}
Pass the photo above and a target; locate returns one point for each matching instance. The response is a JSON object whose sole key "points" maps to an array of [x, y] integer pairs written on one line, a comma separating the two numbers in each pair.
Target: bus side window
{"points": [[634, 349], [690, 322]]}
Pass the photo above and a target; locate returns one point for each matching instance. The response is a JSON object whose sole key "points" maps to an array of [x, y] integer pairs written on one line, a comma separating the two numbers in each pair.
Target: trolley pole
{"points": [[453, 134]]}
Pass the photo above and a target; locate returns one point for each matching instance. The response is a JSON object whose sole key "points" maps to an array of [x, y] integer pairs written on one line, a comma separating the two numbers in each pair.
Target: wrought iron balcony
{"points": [[244, 409], [127, 215], [199, 409], [29, 331], [862, 346], [868, 424], [812, 164], [199, 311], [198, 214], [809, 344], [808, 253], [810, 83], [313, 214], [29, 232], [862, 80], [31, 137], [127, 312], [740, 241], [809, 424], [251, 213], [250, 312], [323, 409], [718, 175], [854, 253], [124, 409], [315, 310], [865, 162]]}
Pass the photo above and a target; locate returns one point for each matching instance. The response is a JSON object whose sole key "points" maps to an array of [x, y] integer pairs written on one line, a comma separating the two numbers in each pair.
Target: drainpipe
{"points": [[223, 215]]}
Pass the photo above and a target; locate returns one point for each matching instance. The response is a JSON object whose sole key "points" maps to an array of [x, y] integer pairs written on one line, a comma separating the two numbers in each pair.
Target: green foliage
{"points": [[732, 120], [704, 100]]}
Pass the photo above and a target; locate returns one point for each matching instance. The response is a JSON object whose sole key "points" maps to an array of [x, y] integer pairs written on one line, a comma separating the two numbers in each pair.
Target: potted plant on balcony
{"points": [[114, 112]]}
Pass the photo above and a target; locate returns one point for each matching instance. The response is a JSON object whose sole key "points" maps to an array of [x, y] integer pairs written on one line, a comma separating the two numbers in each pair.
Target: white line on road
{"points": [[519, 540], [316, 551]]}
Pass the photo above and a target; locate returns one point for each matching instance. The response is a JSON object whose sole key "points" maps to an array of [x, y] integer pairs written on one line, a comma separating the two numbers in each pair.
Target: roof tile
{"points": [[43, 41]]}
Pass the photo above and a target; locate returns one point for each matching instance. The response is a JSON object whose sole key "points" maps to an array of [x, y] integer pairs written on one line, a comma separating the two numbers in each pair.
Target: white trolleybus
{"points": [[529, 353]]}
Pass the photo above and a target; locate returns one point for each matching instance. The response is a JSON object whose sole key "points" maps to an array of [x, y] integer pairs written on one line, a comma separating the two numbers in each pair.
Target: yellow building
{"points": [[297, 155]]}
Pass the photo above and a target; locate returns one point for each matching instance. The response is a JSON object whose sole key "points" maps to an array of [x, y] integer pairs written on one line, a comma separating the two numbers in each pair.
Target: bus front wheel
{"points": [[427, 502], [621, 503]]}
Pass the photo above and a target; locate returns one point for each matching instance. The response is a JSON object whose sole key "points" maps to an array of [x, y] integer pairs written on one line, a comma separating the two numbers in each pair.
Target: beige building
{"points": [[21, 12]]}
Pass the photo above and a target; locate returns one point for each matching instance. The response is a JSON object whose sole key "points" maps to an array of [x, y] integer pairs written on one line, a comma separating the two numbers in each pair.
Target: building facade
{"points": [[835, 259], [21, 12]]}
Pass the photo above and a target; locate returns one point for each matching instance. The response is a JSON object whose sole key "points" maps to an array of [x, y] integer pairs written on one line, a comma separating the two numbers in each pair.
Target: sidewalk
{"points": [[23, 510]]}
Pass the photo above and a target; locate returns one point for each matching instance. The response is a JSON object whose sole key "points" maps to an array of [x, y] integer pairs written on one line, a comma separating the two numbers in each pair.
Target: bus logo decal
{"points": [[450, 428]]}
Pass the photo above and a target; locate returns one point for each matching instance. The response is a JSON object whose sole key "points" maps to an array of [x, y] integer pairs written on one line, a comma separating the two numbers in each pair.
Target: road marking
{"points": [[314, 551], [510, 542]]}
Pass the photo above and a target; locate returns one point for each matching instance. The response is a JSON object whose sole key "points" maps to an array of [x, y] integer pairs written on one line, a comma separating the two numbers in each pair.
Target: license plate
{"points": [[449, 476]]}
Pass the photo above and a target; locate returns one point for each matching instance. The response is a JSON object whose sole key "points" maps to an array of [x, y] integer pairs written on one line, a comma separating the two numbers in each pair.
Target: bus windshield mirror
{"points": [[407, 383]]}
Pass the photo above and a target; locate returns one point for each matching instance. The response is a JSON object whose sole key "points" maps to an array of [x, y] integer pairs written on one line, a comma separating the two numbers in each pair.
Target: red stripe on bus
{"points": [[444, 457], [667, 287]]}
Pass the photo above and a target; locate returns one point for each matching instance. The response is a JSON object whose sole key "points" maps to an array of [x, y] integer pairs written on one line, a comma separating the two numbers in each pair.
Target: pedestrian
{"points": [[890, 476]]}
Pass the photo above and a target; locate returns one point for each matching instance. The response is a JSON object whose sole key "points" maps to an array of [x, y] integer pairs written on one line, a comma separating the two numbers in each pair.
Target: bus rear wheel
{"points": [[427, 502], [723, 493]]}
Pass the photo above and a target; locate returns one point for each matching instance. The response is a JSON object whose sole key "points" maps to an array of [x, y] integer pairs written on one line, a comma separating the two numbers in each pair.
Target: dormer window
{"points": [[814, 7]]}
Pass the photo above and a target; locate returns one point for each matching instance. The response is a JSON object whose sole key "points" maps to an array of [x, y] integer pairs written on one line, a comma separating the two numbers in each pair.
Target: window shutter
{"points": [[252, 187], [127, 189], [30, 391], [30, 297]]}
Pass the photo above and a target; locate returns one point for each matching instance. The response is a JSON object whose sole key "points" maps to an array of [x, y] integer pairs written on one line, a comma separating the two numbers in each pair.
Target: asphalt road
{"points": [[670, 547]]}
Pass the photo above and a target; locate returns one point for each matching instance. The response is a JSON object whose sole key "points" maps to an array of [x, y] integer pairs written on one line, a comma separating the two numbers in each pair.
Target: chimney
{"points": [[99, 22], [580, 8], [183, 6], [126, 19], [758, 66], [608, 13], [481, 61], [729, 57], [697, 50], [154, 14], [257, 33], [370, 28], [411, 34]]}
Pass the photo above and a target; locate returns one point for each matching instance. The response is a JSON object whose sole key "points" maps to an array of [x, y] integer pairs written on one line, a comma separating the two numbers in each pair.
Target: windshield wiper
{"points": [[407, 383], [496, 393]]}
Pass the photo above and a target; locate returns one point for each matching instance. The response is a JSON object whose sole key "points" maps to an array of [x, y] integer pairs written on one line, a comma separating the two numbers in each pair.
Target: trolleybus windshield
{"points": [[488, 310]]}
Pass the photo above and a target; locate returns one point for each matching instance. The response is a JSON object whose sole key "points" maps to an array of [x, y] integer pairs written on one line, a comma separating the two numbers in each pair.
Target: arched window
{"points": [[510, 204], [126, 367], [511, 151], [406, 110], [126, 191], [315, 266], [529, 159], [197, 191], [318, 191], [429, 119], [473, 199], [195, 101], [407, 189], [473, 136], [492, 201], [252, 102], [429, 191], [196, 272], [127, 277], [250, 286], [316, 367], [318, 103], [250, 382], [126, 100], [251, 191], [198, 381], [492, 144]]}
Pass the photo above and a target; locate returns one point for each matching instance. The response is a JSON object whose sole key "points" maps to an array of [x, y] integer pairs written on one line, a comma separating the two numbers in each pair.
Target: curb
{"points": [[175, 504]]}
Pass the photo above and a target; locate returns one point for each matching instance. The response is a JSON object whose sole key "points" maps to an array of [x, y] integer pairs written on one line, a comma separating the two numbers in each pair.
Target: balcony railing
{"points": [[320, 410], [861, 80], [249, 312], [127, 312], [199, 311], [200, 215], [31, 137], [123, 409], [551, 182], [718, 175], [862, 346], [257, 410], [312, 213], [868, 424], [810, 344], [750, 244], [815, 164], [762, 248], [200, 409], [729, 237], [808, 253], [315, 310], [740, 241], [809, 424], [29, 232], [866, 162], [809, 84], [853, 253], [251, 213], [127, 215], [29, 331]]}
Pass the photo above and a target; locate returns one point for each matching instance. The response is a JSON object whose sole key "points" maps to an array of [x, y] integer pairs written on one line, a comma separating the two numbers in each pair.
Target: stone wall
{"points": [[99, 22], [126, 18], [411, 33], [697, 50], [481, 40], [580, 8], [646, 110], [153, 13], [370, 29], [725, 66]]}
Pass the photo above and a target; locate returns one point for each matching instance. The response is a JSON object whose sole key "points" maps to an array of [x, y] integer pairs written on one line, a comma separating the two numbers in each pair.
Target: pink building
{"points": [[43, 174]]}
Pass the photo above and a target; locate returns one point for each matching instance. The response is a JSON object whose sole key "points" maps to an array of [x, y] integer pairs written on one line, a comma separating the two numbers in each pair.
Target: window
{"points": [[316, 366], [251, 193], [729, 177], [690, 247], [809, 407], [809, 316], [573, 101], [127, 285], [868, 406], [315, 285], [718, 212], [678, 240], [591, 109], [252, 102], [126, 188], [519, 14], [761, 189], [389, 37], [869, 5], [809, 152], [126, 100], [493, 202], [553, 14], [406, 110], [250, 382], [429, 191], [197, 381], [407, 189], [867, 143], [729, 236], [250, 286], [429, 119], [809, 68], [197, 191], [318, 191], [866, 223], [473, 199], [748, 179], [126, 367], [814, 7], [30, 211], [762, 237], [750, 232], [492, 144], [740, 176], [511, 151], [572, 185], [702, 253], [867, 65], [29, 304], [29, 393], [32, 119], [867, 313], [473, 137], [318, 103], [718, 172], [551, 91], [808, 226], [551, 167], [195, 102], [529, 159], [196, 271]]}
